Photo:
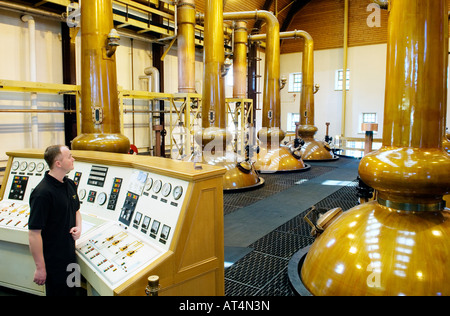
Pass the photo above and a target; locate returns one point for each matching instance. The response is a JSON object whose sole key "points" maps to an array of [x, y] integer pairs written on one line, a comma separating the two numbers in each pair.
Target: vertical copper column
{"points": [[186, 46], [312, 149], [307, 128], [213, 96], [240, 60], [213, 111], [100, 125]]}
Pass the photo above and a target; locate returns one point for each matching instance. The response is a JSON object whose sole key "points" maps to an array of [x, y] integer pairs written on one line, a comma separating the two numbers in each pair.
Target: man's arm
{"points": [[76, 231], [35, 240]]}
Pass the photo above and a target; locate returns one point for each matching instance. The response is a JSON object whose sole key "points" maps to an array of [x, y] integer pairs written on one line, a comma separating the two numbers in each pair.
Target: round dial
{"points": [[82, 194], [149, 184], [167, 187], [177, 192], [31, 166], [23, 165], [15, 165], [157, 186], [40, 166], [101, 198]]}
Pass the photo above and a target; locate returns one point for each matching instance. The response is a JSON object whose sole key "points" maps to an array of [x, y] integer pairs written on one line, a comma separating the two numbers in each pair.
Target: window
{"points": [[340, 79], [295, 82], [292, 118], [369, 118]]}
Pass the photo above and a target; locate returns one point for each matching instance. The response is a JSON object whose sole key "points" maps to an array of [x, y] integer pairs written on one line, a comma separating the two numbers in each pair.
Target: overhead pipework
{"points": [[398, 244], [100, 117]]}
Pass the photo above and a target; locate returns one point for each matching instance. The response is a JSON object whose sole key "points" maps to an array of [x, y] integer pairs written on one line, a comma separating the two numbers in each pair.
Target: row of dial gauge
{"points": [[156, 185], [165, 188], [22, 166]]}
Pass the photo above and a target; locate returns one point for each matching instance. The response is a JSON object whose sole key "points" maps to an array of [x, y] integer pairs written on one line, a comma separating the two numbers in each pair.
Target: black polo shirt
{"points": [[53, 207]]}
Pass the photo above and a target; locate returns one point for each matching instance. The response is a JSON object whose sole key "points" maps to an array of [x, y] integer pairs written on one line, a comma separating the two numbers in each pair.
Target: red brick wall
{"points": [[324, 20]]}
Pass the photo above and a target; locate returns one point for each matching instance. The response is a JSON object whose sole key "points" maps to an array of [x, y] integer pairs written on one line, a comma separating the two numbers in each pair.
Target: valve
{"points": [[323, 221], [153, 287], [113, 42]]}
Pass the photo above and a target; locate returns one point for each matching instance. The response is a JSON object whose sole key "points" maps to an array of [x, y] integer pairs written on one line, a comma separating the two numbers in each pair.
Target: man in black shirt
{"points": [[55, 223]]}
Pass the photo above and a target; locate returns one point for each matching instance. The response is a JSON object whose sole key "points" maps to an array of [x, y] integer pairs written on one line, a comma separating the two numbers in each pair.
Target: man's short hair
{"points": [[51, 153]]}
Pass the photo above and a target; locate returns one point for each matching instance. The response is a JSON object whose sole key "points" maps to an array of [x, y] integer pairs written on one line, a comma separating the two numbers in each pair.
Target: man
{"points": [[54, 223]]}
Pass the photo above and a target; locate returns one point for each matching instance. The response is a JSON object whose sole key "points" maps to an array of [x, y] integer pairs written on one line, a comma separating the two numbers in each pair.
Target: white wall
{"points": [[15, 128], [367, 65]]}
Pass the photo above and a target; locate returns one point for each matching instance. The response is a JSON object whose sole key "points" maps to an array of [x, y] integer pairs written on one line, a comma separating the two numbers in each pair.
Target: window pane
{"points": [[295, 82]]}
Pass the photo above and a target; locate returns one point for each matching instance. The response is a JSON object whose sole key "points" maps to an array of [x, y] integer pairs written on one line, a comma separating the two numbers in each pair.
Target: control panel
{"points": [[132, 208], [25, 174]]}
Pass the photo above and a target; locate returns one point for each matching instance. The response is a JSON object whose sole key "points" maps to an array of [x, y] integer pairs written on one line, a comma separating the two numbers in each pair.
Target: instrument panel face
{"points": [[25, 174], [115, 254], [129, 215], [145, 202]]}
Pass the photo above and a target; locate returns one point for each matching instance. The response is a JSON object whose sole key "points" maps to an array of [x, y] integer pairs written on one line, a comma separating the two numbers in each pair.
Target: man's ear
{"points": [[57, 163]]}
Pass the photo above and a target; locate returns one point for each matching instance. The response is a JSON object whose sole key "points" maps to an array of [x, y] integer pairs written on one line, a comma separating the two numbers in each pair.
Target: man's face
{"points": [[65, 161]]}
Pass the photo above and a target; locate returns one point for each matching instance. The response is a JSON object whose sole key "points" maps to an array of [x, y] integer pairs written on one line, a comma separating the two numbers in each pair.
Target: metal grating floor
{"points": [[274, 183], [263, 271]]}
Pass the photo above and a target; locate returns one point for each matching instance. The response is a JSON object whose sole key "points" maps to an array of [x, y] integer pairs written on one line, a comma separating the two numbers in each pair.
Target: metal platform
{"points": [[263, 268]]}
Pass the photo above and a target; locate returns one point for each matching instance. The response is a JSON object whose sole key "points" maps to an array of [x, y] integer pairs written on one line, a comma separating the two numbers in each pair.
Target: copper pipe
{"points": [[271, 95], [186, 46], [100, 124], [307, 95], [213, 101], [411, 166], [240, 60]]}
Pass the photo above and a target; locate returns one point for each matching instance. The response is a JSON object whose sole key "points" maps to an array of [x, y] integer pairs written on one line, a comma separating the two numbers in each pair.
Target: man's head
{"points": [[59, 156]]}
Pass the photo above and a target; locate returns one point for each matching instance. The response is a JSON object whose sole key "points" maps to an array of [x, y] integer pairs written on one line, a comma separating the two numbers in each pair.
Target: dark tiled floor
{"points": [[262, 269]]}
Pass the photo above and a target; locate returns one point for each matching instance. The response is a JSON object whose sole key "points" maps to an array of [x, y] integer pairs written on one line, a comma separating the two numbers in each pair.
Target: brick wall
{"points": [[324, 20]]}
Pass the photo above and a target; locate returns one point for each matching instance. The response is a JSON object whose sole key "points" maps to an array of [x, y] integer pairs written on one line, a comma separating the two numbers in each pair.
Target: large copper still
{"points": [[214, 136], [272, 157], [304, 145], [100, 116], [311, 149], [398, 244]]}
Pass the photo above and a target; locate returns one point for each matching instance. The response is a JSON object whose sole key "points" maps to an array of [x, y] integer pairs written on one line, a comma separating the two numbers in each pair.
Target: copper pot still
{"points": [[100, 115], [399, 243]]}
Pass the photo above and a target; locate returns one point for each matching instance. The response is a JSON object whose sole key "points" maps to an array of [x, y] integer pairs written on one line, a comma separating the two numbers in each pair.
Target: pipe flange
{"points": [[412, 207]]}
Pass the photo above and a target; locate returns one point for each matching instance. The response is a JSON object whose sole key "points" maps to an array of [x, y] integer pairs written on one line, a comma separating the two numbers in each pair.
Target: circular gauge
{"points": [[23, 166], [167, 187], [101, 198], [157, 186], [149, 184], [40, 166], [177, 192], [15, 165], [31, 166], [82, 194]]}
